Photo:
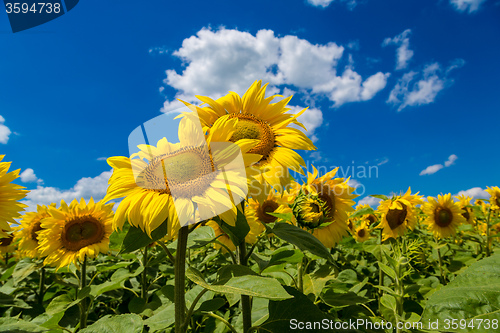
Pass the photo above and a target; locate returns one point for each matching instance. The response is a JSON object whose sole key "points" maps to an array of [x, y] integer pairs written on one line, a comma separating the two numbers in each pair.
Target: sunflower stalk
{"points": [[300, 273], [41, 286], [180, 280], [487, 245], [443, 281], [83, 302], [144, 275], [246, 306]]}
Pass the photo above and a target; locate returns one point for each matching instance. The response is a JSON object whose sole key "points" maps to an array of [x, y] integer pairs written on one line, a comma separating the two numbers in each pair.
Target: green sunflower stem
{"points": [[144, 275], [41, 286], [246, 306], [441, 266], [180, 280], [487, 245], [83, 302], [300, 273]]}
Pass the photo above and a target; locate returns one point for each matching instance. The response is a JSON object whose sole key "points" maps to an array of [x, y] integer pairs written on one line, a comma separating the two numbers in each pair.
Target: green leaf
{"points": [[229, 271], [60, 304], [361, 212], [342, 299], [287, 217], [19, 326], [299, 308], [389, 301], [348, 276], [240, 230], [136, 238], [162, 319], [130, 323], [116, 238], [212, 304], [136, 304], [281, 256], [200, 237], [9, 301], [302, 239], [474, 294], [380, 196], [116, 282], [23, 269], [250, 285], [387, 270]]}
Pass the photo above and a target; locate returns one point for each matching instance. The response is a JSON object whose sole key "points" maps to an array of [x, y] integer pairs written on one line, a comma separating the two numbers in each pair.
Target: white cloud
{"points": [[432, 169], [466, 5], [102, 158], [384, 161], [451, 160], [370, 201], [84, 188], [28, 176], [230, 60], [475, 193], [403, 52], [423, 90], [325, 3], [312, 118], [354, 183], [4, 131]]}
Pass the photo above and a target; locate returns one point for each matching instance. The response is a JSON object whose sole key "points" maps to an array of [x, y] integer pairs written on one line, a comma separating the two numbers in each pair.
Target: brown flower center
{"points": [[34, 230], [396, 217], [361, 233], [328, 197], [184, 173], [371, 219], [466, 213], [251, 127], [82, 231], [6, 241], [443, 217], [269, 206]]}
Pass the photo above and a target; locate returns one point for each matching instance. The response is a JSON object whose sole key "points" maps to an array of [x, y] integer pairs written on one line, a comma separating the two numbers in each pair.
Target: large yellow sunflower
{"points": [[9, 196], [326, 209], [264, 121], [27, 232], [172, 180], [257, 212], [443, 215], [399, 214], [494, 192], [467, 212], [74, 232]]}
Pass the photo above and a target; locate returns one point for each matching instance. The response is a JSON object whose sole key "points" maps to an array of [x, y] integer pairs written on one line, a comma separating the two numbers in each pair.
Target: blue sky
{"points": [[409, 87]]}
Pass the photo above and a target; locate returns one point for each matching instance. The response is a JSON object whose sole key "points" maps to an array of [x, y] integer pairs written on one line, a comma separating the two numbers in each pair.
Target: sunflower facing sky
{"points": [[10, 194], [399, 214], [172, 181], [325, 204], [443, 215], [74, 232], [27, 233], [267, 122]]}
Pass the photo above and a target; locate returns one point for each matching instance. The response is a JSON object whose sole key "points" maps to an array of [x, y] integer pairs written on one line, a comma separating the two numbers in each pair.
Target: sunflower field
{"points": [[227, 231]]}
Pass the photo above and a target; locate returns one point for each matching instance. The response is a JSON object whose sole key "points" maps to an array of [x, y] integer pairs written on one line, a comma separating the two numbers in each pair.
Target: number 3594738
{"points": [[35, 8]]}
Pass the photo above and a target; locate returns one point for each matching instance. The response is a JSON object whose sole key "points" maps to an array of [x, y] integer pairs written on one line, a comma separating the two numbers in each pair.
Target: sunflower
{"points": [[467, 211], [169, 181], [264, 121], [9, 196], [398, 214], [27, 232], [74, 232], [443, 215], [370, 219], [6, 243], [494, 192], [362, 232], [326, 209], [257, 213], [221, 237]]}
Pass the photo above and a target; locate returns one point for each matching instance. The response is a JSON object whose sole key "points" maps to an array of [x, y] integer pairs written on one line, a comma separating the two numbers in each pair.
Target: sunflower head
{"points": [[74, 232], [399, 213], [28, 232], [310, 211], [362, 232], [443, 215], [494, 192], [467, 211], [10, 194], [6, 243]]}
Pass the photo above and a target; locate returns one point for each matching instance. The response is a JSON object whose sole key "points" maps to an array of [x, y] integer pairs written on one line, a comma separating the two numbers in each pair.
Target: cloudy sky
{"points": [[400, 93]]}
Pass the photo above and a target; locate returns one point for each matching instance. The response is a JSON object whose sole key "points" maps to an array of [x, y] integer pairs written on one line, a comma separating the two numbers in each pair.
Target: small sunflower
{"points": [[27, 233], [362, 232], [74, 232], [257, 213], [170, 181], [370, 219], [10, 194], [443, 215], [467, 212], [326, 210], [267, 122], [6, 243], [221, 237], [494, 192], [398, 214]]}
